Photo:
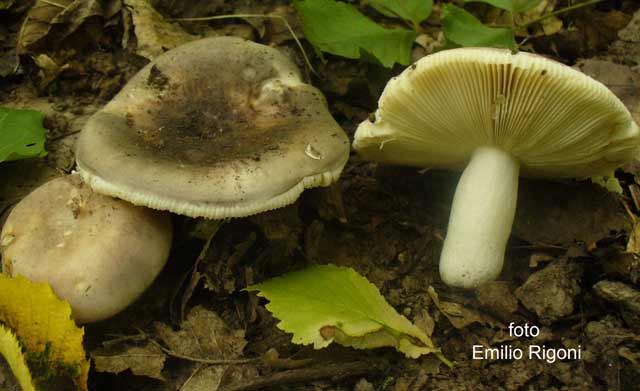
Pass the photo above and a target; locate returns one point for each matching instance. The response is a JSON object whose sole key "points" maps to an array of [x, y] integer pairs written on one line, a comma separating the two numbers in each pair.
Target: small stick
{"points": [[204, 360], [332, 371]]}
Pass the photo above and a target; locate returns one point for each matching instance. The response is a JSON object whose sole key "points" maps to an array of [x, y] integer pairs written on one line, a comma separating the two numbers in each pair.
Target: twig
{"points": [[203, 360], [64, 135], [241, 16], [560, 11], [333, 371]]}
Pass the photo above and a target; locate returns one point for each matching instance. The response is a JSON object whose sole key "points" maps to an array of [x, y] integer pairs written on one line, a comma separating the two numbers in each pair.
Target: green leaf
{"points": [[339, 28], [464, 29], [21, 134], [509, 5], [328, 303], [414, 11], [609, 182]]}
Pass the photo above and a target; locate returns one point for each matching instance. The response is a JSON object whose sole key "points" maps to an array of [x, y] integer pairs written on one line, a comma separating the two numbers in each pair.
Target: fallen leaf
{"points": [[625, 297], [6, 4], [11, 350], [497, 297], [203, 335], [45, 327], [153, 33], [146, 360], [51, 22], [598, 28], [547, 26], [337, 304], [21, 134], [49, 69], [205, 378], [627, 47], [188, 9], [459, 316], [550, 292], [563, 213], [622, 80]]}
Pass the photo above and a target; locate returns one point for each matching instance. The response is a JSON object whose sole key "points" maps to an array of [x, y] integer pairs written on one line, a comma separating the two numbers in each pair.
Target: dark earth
{"points": [[572, 264]]}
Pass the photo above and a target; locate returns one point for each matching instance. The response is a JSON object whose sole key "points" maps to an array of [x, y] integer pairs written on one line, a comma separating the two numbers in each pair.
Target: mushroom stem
{"points": [[481, 218]]}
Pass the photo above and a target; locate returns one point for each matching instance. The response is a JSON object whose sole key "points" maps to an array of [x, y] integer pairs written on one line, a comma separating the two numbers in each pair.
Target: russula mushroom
{"points": [[97, 252], [500, 115], [219, 127]]}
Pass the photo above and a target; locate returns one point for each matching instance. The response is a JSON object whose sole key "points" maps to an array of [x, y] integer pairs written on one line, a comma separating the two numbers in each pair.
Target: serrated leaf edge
{"points": [[11, 350]]}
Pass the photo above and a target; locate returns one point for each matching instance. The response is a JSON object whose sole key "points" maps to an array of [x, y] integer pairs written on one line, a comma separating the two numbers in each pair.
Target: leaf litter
{"points": [[396, 218]]}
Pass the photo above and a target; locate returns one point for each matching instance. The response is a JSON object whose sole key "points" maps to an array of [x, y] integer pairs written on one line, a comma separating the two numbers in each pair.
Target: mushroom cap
{"points": [[219, 127], [556, 121], [97, 252]]}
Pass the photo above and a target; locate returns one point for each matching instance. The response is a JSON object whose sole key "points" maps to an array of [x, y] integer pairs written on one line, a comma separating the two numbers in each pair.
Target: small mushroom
{"points": [[96, 252], [500, 115], [219, 127]]}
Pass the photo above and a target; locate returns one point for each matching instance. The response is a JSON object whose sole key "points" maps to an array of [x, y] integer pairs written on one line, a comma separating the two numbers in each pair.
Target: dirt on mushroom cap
{"points": [[217, 128]]}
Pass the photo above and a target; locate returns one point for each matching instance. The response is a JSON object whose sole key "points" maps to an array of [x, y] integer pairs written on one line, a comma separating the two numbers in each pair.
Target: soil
{"points": [[572, 262]]}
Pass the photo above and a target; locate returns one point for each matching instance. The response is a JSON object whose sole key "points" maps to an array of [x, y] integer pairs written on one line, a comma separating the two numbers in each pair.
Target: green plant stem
{"points": [[546, 16], [560, 11], [445, 360], [242, 16]]}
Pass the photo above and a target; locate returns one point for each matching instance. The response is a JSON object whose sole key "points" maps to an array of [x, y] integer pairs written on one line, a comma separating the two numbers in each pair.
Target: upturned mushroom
{"points": [[219, 127], [97, 252], [500, 115]]}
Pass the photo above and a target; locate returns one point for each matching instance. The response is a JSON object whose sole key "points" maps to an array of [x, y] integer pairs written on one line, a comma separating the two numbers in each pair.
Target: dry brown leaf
{"points": [[189, 9], [627, 47], [6, 4], [622, 80], [563, 213], [153, 33], [547, 26], [146, 360], [599, 29], [550, 292], [205, 378], [497, 297], [51, 22], [459, 316], [203, 335]]}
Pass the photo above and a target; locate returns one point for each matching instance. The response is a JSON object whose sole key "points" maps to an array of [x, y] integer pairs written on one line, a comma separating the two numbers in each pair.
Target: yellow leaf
{"points": [[45, 327], [12, 352]]}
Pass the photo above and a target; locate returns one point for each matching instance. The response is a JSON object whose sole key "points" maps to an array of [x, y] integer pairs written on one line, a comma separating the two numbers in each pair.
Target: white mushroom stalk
{"points": [[481, 217], [500, 115]]}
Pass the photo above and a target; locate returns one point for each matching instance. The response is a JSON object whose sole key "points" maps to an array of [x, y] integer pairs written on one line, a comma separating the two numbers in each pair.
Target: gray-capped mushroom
{"points": [[97, 252], [219, 127], [499, 115]]}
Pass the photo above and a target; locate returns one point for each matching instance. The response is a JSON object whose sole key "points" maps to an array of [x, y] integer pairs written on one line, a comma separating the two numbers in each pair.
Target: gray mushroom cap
{"points": [[97, 252], [219, 127]]}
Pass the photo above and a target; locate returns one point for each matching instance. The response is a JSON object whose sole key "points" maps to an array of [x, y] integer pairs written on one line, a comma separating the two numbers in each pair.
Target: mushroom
{"points": [[499, 114], [219, 127], [97, 252]]}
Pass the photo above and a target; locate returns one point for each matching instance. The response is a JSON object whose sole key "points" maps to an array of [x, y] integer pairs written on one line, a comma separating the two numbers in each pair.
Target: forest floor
{"points": [[572, 264]]}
